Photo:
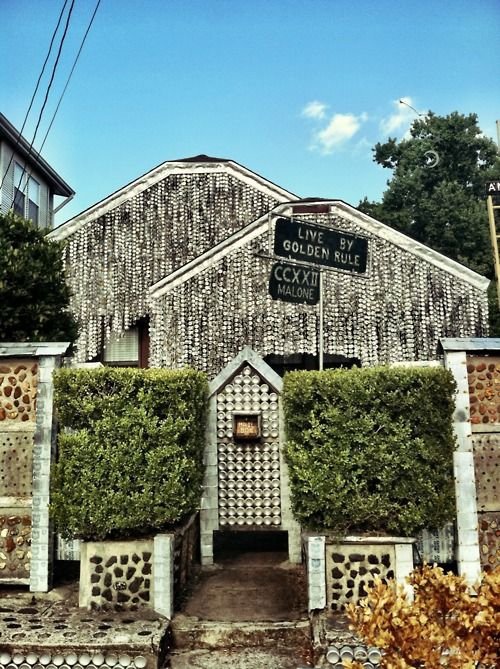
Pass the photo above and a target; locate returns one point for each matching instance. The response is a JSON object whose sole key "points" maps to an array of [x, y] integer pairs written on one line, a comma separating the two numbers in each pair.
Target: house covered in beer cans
{"points": [[201, 257]]}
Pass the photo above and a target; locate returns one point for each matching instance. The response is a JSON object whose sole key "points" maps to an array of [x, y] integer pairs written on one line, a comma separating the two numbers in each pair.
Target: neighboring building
{"points": [[173, 269], [29, 183]]}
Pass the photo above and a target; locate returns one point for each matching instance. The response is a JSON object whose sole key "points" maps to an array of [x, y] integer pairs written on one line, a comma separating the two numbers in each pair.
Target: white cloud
{"points": [[315, 109], [401, 119], [340, 128]]}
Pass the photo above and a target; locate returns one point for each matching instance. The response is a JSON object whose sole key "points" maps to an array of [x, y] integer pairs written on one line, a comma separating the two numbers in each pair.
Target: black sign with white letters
{"points": [[319, 245], [294, 283]]}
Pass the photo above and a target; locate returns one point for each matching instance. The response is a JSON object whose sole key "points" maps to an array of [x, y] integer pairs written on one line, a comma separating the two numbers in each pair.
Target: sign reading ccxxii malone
{"points": [[293, 283], [319, 245]]}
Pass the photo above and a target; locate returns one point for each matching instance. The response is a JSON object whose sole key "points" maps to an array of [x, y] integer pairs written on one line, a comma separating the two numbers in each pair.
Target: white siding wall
{"points": [[7, 194]]}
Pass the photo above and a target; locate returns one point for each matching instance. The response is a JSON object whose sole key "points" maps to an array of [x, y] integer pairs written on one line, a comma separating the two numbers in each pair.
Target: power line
{"points": [[70, 74], [49, 86], [36, 89]]}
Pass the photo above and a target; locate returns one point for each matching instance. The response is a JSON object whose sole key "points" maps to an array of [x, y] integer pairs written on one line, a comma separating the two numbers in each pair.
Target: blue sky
{"points": [[298, 91]]}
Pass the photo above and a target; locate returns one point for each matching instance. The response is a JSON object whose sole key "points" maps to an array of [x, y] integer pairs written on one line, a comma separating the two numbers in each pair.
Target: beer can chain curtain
{"points": [[112, 261], [397, 312]]}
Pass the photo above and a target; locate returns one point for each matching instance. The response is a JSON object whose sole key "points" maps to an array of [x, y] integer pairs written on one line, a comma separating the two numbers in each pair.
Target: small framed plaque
{"points": [[246, 425]]}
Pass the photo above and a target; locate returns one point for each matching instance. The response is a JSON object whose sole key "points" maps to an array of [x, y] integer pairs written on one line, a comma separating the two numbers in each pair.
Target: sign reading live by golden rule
{"points": [[319, 245]]}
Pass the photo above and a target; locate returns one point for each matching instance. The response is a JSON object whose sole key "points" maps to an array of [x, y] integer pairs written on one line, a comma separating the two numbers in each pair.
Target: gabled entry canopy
{"points": [[250, 357]]}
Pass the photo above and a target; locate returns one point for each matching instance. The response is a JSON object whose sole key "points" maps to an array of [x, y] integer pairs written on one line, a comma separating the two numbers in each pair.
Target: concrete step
{"points": [[190, 633], [243, 658], [249, 611], [246, 590]]}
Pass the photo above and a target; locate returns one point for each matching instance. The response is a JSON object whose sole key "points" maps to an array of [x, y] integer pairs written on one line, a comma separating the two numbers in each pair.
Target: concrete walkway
{"points": [[251, 587], [247, 612]]}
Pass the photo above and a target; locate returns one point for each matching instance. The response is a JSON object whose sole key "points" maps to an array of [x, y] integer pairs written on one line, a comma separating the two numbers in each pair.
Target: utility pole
{"points": [[493, 233], [493, 204]]}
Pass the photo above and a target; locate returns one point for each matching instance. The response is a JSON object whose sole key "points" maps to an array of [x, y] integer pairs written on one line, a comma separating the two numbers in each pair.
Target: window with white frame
{"points": [[33, 200], [19, 189], [26, 194], [122, 350]]}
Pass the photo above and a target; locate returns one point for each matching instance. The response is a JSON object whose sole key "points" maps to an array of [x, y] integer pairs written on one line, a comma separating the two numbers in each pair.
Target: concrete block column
{"points": [[163, 574], [288, 521], [403, 557], [209, 511], [43, 452], [468, 557], [316, 577]]}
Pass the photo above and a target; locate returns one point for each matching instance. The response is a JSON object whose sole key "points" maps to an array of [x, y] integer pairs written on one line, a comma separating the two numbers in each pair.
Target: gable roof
{"points": [[22, 147], [246, 356], [196, 165], [363, 221]]}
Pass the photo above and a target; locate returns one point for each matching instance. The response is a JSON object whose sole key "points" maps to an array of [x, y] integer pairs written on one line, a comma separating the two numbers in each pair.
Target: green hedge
{"points": [[370, 450], [130, 451]]}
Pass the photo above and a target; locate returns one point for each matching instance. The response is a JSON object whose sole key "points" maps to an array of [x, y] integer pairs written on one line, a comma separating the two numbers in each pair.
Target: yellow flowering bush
{"points": [[446, 625]]}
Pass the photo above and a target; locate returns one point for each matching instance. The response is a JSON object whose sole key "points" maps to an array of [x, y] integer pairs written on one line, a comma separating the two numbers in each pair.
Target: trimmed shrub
{"points": [[130, 453], [370, 450]]}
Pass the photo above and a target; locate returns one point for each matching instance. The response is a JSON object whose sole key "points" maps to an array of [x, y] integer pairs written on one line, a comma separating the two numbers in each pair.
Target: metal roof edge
{"points": [[412, 246], [154, 176], [36, 348], [469, 344], [19, 144]]}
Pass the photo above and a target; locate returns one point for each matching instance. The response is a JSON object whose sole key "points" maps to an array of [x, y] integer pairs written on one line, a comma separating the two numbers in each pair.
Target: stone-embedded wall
{"points": [[133, 574], [489, 540], [487, 471], [483, 375], [19, 379], [350, 569], [339, 572], [15, 545], [27, 448], [116, 574], [484, 389], [18, 382]]}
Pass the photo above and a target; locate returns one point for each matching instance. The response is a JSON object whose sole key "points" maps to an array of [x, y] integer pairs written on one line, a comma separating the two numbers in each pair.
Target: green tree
{"points": [[33, 292], [442, 206]]}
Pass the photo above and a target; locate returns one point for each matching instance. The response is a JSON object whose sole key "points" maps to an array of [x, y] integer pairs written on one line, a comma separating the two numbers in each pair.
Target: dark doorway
{"points": [[272, 544], [299, 361]]}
